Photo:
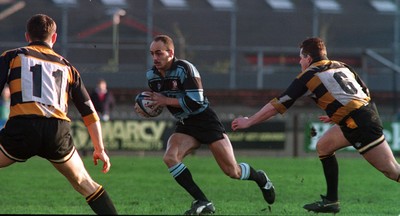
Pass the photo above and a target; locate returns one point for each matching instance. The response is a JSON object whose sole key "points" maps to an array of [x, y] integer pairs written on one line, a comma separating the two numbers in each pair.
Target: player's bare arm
{"points": [[263, 114], [99, 153], [325, 119]]}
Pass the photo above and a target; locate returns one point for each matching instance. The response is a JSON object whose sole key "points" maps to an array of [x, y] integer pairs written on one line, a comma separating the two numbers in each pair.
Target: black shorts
{"points": [[23, 138], [205, 127], [363, 129]]}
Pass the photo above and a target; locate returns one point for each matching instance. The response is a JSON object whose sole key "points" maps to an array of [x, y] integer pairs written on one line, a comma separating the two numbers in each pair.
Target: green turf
{"points": [[142, 185]]}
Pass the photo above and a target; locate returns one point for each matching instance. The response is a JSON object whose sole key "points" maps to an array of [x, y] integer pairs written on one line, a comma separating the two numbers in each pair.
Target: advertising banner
{"points": [[390, 129], [153, 135], [267, 135], [126, 134]]}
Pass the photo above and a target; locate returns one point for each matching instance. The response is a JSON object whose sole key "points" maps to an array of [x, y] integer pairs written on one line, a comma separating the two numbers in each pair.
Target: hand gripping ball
{"points": [[144, 107]]}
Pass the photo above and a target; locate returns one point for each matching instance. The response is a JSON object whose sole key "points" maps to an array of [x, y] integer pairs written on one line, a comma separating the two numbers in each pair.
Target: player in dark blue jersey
{"points": [[337, 89], [176, 84], [41, 82]]}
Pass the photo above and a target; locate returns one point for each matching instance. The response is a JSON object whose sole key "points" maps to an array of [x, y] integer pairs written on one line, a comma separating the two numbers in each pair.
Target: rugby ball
{"points": [[144, 107]]}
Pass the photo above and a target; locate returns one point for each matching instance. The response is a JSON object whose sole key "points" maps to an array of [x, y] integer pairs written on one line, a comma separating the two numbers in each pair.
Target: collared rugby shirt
{"points": [[333, 85], [181, 81], [41, 83]]}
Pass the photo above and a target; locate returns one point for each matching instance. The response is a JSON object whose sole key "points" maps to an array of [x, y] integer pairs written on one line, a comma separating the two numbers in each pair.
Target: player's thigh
{"points": [[76, 173], [382, 158], [332, 140], [4, 160], [225, 157], [178, 146]]}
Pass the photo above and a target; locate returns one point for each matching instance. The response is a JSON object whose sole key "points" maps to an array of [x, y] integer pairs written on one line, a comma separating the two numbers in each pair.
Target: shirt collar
{"points": [[42, 43]]}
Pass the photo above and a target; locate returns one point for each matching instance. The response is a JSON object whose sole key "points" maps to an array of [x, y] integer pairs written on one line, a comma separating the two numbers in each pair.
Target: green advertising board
{"points": [[153, 135], [390, 129]]}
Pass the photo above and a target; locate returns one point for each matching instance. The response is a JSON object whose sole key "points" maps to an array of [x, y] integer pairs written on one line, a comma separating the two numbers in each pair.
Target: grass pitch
{"points": [[142, 186]]}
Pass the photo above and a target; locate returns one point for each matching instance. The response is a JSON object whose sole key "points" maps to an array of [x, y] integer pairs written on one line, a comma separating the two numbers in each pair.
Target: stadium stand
{"points": [[265, 47]]}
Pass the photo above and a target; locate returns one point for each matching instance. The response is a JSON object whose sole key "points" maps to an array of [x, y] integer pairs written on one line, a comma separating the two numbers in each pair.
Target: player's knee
{"points": [[319, 147], [84, 186], [170, 160], [390, 173], [322, 149], [395, 176]]}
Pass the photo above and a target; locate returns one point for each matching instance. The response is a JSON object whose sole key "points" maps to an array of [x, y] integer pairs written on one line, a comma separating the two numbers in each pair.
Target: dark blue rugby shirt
{"points": [[181, 81]]}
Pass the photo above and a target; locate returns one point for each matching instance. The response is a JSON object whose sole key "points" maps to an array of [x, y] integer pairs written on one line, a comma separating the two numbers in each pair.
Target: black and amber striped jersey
{"points": [[334, 86], [41, 83]]}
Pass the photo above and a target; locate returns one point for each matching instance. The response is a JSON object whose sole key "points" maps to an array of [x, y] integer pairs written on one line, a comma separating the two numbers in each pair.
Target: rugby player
{"points": [[337, 89], [177, 84], [41, 82]]}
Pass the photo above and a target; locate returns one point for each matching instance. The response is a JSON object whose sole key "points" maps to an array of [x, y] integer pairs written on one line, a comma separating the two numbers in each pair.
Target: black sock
{"points": [[101, 203], [257, 177], [184, 178], [331, 172]]}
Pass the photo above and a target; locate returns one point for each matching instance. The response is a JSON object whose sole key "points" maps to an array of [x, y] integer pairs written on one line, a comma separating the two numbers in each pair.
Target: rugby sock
{"points": [[101, 203], [184, 178], [249, 173], [398, 178], [245, 171], [331, 172]]}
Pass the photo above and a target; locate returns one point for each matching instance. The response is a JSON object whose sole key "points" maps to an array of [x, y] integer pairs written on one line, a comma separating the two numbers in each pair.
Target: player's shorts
{"points": [[24, 137], [205, 127], [363, 129]]}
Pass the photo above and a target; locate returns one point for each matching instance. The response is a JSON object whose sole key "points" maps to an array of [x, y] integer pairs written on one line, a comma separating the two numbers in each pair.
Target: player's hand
{"points": [[240, 123], [158, 98], [101, 155], [325, 119]]}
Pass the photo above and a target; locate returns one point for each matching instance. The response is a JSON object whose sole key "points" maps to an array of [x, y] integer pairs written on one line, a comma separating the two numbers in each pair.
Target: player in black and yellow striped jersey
{"points": [[337, 89], [41, 83]]}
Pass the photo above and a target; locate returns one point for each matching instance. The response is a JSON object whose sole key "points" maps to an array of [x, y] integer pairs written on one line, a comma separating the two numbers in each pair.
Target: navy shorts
{"points": [[205, 127], [363, 129], [24, 137]]}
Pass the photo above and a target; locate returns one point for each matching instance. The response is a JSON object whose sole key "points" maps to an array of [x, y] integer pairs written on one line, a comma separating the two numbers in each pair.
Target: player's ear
{"points": [[309, 59], [27, 38], [54, 38], [171, 52]]}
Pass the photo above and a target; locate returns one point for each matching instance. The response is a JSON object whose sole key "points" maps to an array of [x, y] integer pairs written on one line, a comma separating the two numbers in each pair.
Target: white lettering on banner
{"points": [[133, 130], [256, 136], [134, 135]]}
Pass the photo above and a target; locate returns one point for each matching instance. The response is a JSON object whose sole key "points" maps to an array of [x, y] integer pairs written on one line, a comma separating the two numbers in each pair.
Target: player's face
{"points": [[162, 56], [305, 60]]}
